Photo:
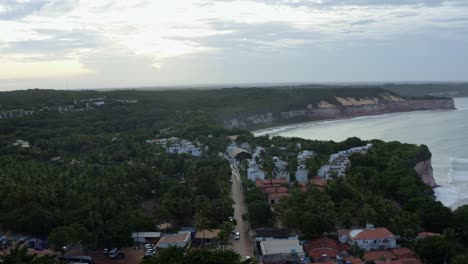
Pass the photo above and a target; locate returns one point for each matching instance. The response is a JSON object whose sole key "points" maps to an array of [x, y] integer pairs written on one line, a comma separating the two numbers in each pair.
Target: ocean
{"points": [[444, 132]]}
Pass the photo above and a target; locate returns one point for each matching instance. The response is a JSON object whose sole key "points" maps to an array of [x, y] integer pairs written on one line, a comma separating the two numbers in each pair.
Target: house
{"points": [[369, 238], [254, 172], [145, 237], [280, 170], [282, 246], [177, 240], [383, 255], [403, 253], [268, 183], [207, 237], [323, 249], [304, 155], [262, 234], [302, 174]]}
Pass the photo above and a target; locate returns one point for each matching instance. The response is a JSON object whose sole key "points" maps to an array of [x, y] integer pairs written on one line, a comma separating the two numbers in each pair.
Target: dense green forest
{"points": [[219, 105]]}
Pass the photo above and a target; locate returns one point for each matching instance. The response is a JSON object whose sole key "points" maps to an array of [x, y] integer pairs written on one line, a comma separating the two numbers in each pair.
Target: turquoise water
{"points": [[445, 132]]}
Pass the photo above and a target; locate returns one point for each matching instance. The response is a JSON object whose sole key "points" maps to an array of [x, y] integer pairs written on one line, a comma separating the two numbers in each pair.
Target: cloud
{"points": [[363, 22], [153, 35]]}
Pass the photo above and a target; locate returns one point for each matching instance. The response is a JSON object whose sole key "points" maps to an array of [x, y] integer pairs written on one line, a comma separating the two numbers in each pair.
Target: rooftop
{"points": [[177, 238], [375, 233], [208, 234], [379, 255], [278, 246]]}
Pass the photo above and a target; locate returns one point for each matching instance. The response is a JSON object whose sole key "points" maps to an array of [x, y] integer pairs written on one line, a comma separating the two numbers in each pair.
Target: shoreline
{"points": [[276, 130]]}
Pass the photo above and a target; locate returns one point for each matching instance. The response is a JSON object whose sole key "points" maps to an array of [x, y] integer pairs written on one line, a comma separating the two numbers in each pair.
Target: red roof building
{"points": [[384, 255], [403, 253], [369, 238]]}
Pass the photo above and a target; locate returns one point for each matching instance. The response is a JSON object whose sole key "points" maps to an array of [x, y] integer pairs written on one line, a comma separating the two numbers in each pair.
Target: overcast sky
{"points": [[130, 43]]}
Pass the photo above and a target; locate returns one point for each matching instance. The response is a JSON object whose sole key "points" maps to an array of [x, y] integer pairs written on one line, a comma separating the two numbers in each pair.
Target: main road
{"points": [[244, 245]]}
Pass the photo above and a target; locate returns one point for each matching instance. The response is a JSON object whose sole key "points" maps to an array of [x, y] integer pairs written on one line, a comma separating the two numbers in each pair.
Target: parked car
{"points": [[114, 252], [237, 236]]}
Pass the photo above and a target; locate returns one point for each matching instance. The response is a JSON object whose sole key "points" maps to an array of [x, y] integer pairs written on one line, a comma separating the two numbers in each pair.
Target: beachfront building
{"points": [[339, 162]]}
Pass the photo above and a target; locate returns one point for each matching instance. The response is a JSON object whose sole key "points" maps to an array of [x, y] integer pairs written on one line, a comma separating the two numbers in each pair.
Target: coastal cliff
{"points": [[342, 107], [425, 171]]}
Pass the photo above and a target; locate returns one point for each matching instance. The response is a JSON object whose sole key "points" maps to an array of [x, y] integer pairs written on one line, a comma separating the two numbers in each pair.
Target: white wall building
{"points": [[302, 174], [369, 238]]}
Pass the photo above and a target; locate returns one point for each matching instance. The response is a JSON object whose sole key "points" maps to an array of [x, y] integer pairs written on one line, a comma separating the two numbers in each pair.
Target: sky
{"points": [[79, 44]]}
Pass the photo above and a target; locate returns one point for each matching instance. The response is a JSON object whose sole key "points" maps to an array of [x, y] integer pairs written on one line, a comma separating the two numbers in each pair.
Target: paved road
{"points": [[244, 245]]}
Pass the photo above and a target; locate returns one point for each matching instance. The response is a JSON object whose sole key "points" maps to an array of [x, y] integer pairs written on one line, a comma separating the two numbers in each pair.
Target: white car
{"points": [[114, 252], [237, 236]]}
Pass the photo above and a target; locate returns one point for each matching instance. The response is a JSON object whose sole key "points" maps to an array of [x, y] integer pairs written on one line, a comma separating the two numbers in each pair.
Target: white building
{"points": [[177, 240], [339, 162], [304, 155], [302, 174], [281, 170], [282, 246], [145, 237], [254, 172], [369, 238], [177, 146]]}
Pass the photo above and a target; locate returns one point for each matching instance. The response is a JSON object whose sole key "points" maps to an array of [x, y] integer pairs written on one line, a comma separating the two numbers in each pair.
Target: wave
{"points": [[459, 160], [457, 175]]}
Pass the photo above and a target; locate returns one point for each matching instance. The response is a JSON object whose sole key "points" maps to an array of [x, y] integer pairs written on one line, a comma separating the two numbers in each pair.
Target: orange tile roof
{"points": [[323, 242], [403, 253], [379, 255], [271, 190], [376, 233], [319, 182], [316, 254]]}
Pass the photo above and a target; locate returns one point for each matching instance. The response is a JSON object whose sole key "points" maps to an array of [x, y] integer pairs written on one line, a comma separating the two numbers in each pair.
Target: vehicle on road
{"points": [[114, 252], [237, 236]]}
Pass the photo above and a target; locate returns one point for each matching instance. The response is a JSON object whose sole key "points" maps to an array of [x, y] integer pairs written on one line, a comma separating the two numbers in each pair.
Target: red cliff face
{"points": [[424, 169]]}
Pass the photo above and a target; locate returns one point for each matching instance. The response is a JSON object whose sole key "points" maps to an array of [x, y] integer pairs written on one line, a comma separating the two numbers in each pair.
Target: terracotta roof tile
{"points": [[376, 233], [323, 242], [379, 255], [316, 254], [403, 253]]}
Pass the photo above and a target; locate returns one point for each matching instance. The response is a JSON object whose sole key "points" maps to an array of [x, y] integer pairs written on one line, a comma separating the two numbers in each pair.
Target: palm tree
{"points": [[224, 235], [202, 223]]}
